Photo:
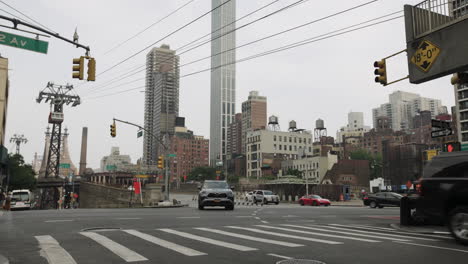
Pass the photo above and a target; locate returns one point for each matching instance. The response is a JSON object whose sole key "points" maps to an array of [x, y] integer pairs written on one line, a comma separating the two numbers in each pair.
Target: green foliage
{"points": [[375, 161], [294, 172], [21, 174], [202, 173]]}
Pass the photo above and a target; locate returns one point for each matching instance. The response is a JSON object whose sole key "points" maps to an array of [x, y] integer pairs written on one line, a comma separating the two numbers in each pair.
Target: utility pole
{"points": [[18, 140]]}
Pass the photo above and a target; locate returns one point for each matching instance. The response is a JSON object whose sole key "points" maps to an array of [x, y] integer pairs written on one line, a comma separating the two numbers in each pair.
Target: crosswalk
{"points": [[127, 244]]}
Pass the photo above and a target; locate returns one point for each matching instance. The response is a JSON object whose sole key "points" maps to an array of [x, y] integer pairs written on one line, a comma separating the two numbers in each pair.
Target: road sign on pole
{"points": [[23, 42], [440, 124], [441, 133], [65, 165], [171, 155]]}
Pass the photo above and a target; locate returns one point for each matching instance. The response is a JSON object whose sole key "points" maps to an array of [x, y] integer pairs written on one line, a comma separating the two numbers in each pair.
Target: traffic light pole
{"points": [[166, 160]]}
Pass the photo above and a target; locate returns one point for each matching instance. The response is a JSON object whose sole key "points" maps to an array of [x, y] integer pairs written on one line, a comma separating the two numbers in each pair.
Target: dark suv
{"points": [[443, 193], [216, 193]]}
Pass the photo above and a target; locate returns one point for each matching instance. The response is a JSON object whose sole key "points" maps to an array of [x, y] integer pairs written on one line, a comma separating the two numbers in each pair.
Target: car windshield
{"points": [[20, 196], [268, 193], [216, 185], [397, 195], [316, 197]]}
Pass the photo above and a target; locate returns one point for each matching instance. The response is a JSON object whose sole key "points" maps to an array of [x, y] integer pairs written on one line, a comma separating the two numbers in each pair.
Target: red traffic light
{"points": [[452, 147]]}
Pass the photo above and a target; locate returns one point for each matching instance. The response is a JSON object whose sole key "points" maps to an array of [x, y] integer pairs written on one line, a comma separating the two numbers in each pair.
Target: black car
{"points": [[382, 199], [216, 193], [443, 193]]}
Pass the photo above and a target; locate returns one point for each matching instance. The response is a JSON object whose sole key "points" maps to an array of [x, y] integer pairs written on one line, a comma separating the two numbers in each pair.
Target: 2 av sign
{"points": [[23, 42]]}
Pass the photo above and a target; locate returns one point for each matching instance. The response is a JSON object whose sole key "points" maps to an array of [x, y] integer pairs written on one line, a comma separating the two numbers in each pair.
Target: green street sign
{"points": [[65, 165], [140, 133], [464, 147], [171, 155], [23, 42], [111, 167]]}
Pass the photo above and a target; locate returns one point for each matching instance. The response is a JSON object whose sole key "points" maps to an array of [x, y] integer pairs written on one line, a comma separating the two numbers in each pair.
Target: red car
{"points": [[314, 200]]}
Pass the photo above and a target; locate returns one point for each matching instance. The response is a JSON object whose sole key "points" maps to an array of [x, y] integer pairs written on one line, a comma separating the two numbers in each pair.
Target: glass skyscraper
{"points": [[223, 77]]}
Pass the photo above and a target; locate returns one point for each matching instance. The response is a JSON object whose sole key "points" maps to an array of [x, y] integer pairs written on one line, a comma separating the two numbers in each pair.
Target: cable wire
{"points": [[148, 27], [30, 18], [168, 35]]}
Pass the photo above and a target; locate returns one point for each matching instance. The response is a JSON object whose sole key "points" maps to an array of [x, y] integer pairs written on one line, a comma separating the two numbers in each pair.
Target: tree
{"points": [[202, 173], [375, 161], [21, 174], [294, 172]]}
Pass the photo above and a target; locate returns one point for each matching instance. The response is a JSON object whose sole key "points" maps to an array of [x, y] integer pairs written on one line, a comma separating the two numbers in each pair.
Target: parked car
{"points": [[249, 196], [266, 197], [314, 200], [216, 193], [21, 199], [443, 193], [382, 199]]}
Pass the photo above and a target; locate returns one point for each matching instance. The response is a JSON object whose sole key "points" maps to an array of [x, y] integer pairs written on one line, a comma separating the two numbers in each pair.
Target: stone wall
{"points": [[100, 196]]}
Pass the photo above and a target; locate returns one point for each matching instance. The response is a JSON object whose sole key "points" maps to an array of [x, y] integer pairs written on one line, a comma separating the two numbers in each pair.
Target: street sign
{"points": [[464, 147], [111, 167], [140, 133], [23, 42], [171, 155], [64, 165], [431, 153], [440, 124], [441, 133], [425, 55]]}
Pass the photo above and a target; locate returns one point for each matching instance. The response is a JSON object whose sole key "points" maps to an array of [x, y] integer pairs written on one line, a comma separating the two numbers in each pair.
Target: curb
{"points": [[420, 231], [170, 206]]}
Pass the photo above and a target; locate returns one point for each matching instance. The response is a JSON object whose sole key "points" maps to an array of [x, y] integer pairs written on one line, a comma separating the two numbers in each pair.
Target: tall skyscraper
{"points": [[254, 115], [223, 77], [404, 106], [161, 99]]}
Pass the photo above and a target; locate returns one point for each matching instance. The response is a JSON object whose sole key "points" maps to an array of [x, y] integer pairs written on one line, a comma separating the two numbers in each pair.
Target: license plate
{"points": [[19, 203], [217, 200]]}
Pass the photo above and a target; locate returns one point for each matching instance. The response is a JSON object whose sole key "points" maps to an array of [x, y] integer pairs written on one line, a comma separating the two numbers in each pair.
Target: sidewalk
{"points": [[422, 229]]}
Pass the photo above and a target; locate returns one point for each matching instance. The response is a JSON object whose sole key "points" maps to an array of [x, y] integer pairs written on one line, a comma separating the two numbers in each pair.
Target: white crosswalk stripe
{"points": [[319, 234], [346, 233], [166, 244], [126, 254], [286, 235], [53, 252], [393, 231], [257, 239], [381, 234], [208, 240]]}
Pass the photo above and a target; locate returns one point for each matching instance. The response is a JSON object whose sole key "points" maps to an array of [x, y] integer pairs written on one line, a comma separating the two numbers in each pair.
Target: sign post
{"points": [[21, 42]]}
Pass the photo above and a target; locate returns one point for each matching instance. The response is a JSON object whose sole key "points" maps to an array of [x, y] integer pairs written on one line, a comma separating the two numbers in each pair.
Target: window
{"points": [[280, 147], [285, 139], [290, 148], [274, 146], [280, 138], [300, 140], [295, 148], [295, 140], [274, 138], [290, 140]]}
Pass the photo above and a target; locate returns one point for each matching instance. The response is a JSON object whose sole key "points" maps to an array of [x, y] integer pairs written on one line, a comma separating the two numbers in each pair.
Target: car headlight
{"points": [[203, 193], [230, 194]]}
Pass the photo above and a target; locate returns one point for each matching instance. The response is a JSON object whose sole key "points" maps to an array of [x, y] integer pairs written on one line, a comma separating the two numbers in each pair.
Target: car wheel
{"points": [[301, 203], [229, 207], [373, 204], [326, 205], [276, 203], [458, 224], [201, 207], [380, 206], [265, 201], [315, 203]]}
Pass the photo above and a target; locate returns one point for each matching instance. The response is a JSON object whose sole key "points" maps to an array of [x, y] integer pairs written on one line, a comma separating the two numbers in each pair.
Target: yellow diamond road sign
{"points": [[425, 55]]}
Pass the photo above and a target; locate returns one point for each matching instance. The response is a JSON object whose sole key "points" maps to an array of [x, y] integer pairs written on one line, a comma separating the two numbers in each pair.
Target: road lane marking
{"points": [[128, 218], [258, 218], [125, 253], [257, 239], [367, 226], [346, 233], [290, 216], [429, 246], [208, 240], [243, 216], [61, 220], [394, 231], [441, 232], [265, 222], [53, 252], [286, 235], [407, 236], [166, 244], [319, 234], [188, 217], [278, 256]]}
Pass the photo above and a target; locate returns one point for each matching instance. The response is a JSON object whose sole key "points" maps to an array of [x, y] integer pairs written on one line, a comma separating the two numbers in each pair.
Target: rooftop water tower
{"points": [[320, 130]]}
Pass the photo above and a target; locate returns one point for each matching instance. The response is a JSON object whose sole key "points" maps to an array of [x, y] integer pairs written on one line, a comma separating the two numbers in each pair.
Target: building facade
{"points": [[115, 161], [353, 130], [313, 168], [234, 137], [403, 106], [254, 115], [190, 151], [223, 76], [161, 99], [267, 149]]}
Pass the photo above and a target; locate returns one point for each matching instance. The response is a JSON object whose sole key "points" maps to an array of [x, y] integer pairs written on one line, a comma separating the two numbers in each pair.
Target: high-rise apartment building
{"points": [[223, 76], [254, 115], [161, 99], [354, 129], [403, 106], [234, 137]]}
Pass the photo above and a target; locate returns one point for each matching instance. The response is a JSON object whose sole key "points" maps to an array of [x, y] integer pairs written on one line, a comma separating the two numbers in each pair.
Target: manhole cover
{"points": [[100, 229], [300, 261]]}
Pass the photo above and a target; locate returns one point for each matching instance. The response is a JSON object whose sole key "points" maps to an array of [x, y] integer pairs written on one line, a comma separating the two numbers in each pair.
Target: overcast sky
{"points": [[325, 79]]}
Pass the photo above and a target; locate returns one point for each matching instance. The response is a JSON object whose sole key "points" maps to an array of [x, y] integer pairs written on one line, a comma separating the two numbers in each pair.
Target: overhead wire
{"points": [[318, 38], [30, 18], [255, 41], [168, 35]]}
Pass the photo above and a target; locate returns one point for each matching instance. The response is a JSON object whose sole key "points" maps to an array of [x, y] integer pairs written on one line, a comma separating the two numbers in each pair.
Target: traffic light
{"points": [[161, 162], [78, 68], [459, 78], [452, 146], [381, 72], [91, 69], [113, 130]]}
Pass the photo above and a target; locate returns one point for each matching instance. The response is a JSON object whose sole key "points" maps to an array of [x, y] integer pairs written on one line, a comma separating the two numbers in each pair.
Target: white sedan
{"points": [[249, 196]]}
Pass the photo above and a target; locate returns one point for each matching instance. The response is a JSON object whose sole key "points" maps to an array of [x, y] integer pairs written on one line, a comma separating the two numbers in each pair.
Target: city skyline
{"points": [[289, 78]]}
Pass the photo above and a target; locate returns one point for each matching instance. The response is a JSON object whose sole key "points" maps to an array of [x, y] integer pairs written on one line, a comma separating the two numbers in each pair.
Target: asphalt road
{"points": [[264, 234]]}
